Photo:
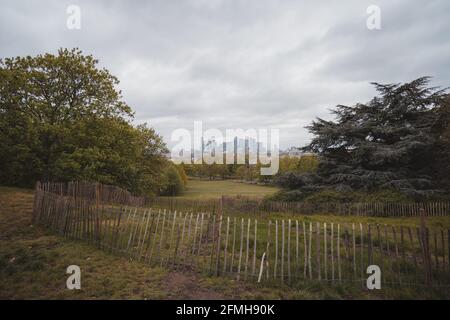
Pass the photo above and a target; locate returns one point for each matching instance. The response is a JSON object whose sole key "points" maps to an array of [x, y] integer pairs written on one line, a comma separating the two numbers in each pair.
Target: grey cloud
{"points": [[231, 64]]}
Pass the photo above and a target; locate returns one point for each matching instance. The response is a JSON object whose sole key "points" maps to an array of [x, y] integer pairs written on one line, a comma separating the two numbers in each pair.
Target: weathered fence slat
{"points": [[305, 256], [338, 251], [247, 249], [240, 250], [225, 250], [276, 251], [161, 238], [219, 233], [254, 248], [234, 245], [212, 242], [268, 249], [200, 238], [325, 251], [319, 269], [332, 251], [154, 238], [297, 253]]}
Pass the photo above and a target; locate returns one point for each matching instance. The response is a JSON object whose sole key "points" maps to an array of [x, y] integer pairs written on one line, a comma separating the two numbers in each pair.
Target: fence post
{"points": [[261, 267], [234, 244], [171, 236], [332, 251], [177, 242], [282, 251], [212, 242], [146, 214], [448, 247], [362, 250], [354, 251], [425, 248], [297, 257], [338, 249], [276, 250], [289, 250], [254, 248], [180, 240], [397, 256], [225, 251], [247, 248], [325, 251], [200, 239], [444, 262], [218, 246], [319, 269], [305, 256], [161, 239], [268, 249], [240, 250], [154, 238]]}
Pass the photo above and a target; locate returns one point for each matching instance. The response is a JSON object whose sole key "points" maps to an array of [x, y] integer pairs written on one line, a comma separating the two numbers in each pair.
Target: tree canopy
{"points": [[63, 118]]}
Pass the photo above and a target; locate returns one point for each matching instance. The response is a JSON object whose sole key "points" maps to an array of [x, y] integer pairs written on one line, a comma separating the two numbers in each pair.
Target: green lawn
{"points": [[214, 189], [208, 189]]}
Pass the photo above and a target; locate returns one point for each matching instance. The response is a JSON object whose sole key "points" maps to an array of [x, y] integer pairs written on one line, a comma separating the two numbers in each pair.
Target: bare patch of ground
{"points": [[188, 286]]}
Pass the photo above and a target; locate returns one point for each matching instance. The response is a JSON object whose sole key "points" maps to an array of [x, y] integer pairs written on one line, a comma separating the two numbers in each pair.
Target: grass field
{"points": [[33, 265], [208, 189], [213, 189]]}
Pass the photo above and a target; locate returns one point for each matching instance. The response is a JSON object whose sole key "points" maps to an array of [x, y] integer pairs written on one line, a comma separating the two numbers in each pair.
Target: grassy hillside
{"points": [[33, 265]]}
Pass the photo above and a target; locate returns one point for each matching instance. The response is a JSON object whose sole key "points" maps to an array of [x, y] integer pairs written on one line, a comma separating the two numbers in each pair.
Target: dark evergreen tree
{"points": [[386, 143], [441, 153]]}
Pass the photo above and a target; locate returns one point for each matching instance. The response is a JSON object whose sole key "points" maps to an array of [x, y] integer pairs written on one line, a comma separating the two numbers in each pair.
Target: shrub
{"points": [[331, 195], [174, 185]]}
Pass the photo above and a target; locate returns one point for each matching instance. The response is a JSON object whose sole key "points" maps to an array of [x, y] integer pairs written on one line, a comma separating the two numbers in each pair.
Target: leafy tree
{"points": [[62, 118], [307, 164], [174, 184], [241, 172], [182, 173], [288, 163]]}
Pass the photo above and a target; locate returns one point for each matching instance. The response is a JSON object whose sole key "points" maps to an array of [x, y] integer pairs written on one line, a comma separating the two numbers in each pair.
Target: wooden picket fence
{"points": [[256, 205], [94, 191], [284, 250]]}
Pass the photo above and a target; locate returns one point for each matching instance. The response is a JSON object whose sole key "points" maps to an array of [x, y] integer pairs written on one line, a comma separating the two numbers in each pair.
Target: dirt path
{"points": [[188, 286]]}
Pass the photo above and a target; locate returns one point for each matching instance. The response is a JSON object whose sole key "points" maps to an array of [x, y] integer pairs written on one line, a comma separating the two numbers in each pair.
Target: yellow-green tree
{"points": [[62, 118]]}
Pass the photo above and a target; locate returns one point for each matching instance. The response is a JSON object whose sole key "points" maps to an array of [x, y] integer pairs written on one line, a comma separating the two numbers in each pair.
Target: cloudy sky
{"points": [[240, 63]]}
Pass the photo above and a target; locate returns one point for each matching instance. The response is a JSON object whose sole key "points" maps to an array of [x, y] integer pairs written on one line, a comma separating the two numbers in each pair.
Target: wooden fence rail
{"points": [[286, 251], [260, 205], [111, 194], [100, 193]]}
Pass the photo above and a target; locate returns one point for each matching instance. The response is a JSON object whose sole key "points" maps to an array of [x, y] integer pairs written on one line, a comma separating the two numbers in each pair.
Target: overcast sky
{"points": [[244, 63]]}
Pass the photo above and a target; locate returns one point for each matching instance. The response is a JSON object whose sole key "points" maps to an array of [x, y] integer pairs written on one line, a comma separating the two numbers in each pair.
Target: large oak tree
{"points": [[63, 118]]}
